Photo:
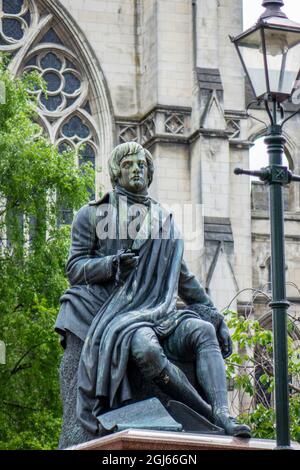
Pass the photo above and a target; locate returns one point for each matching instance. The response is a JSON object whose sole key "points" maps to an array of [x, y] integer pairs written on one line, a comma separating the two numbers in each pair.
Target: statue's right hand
{"points": [[124, 263], [128, 260]]}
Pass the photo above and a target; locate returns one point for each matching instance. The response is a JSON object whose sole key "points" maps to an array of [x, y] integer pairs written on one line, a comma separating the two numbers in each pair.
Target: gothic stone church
{"points": [[165, 74]]}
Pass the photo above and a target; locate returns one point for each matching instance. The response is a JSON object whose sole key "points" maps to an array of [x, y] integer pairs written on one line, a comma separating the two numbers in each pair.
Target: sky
{"points": [[252, 10]]}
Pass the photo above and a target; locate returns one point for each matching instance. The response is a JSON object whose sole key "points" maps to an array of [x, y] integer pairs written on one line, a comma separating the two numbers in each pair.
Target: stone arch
{"points": [[265, 273], [266, 321], [290, 146], [46, 27], [292, 191]]}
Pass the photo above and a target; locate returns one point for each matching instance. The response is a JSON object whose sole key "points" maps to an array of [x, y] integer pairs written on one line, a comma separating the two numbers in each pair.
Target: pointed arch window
{"points": [[71, 112], [15, 22]]}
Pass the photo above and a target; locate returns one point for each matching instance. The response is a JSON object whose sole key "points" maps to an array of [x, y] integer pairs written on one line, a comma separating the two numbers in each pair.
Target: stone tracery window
{"points": [[38, 42], [64, 82], [15, 21]]}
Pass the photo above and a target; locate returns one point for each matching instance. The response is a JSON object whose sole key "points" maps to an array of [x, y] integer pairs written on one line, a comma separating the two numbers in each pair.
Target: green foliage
{"points": [[32, 260], [251, 370]]}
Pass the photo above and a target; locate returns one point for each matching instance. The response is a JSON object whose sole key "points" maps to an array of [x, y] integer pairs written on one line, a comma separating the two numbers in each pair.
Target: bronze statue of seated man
{"points": [[126, 271]]}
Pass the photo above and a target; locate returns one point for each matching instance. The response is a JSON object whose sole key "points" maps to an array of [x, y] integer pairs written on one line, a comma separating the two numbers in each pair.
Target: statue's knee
{"points": [[149, 356], [145, 353], [153, 354], [209, 330], [201, 332], [137, 346]]}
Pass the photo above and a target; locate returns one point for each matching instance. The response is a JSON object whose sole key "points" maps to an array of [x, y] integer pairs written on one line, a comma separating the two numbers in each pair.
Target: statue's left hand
{"points": [[224, 340]]}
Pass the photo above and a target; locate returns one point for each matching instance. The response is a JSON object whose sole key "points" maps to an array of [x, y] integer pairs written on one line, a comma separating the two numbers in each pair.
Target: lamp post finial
{"points": [[273, 8], [278, 3]]}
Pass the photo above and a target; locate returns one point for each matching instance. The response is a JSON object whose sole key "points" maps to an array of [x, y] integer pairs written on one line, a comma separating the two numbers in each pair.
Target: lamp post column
{"points": [[278, 176], [274, 36]]}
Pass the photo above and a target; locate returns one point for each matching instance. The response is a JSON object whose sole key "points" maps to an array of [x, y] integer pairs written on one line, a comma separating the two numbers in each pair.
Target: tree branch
{"points": [[268, 372], [17, 405], [10, 206], [293, 387], [17, 368]]}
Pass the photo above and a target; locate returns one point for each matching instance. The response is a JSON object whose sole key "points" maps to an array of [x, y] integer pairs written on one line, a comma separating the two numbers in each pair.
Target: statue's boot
{"points": [[230, 425], [174, 383], [211, 375]]}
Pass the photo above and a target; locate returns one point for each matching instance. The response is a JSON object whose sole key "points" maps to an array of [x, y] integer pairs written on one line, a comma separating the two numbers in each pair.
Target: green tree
{"points": [[251, 370], [33, 252]]}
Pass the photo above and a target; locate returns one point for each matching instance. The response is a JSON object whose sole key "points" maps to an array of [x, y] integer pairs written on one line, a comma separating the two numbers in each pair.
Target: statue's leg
{"points": [[197, 338], [72, 432], [149, 356]]}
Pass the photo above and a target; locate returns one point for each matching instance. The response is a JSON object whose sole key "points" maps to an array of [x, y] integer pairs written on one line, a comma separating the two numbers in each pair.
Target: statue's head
{"points": [[131, 166]]}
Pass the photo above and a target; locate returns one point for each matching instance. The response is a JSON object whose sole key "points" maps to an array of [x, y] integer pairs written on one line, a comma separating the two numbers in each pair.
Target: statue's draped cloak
{"points": [[106, 316]]}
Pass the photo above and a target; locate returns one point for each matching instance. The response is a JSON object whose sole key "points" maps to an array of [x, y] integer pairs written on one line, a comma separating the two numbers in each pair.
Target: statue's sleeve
{"points": [[190, 290], [83, 265], [193, 294]]}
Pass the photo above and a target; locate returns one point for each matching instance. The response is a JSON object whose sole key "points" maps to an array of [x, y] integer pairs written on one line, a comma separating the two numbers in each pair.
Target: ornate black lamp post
{"points": [[270, 55]]}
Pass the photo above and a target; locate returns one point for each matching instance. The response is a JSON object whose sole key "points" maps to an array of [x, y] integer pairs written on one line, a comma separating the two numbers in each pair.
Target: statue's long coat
{"points": [[105, 315]]}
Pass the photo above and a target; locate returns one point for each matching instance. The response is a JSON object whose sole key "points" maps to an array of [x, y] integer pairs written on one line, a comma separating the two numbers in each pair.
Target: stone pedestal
{"points": [[138, 439]]}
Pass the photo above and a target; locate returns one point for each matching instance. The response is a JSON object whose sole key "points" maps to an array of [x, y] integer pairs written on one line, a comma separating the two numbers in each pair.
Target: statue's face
{"points": [[134, 173]]}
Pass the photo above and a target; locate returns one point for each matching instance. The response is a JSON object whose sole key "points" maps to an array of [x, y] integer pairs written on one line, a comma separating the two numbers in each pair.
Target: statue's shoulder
{"points": [[102, 200], [87, 214]]}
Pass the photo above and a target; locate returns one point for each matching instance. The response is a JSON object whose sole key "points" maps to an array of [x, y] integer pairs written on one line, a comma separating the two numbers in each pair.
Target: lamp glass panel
{"points": [[283, 60], [251, 51]]}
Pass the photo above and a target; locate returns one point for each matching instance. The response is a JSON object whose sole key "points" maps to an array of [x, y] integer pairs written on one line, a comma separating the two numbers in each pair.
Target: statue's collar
{"points": [[132, 198], [102, 200]]}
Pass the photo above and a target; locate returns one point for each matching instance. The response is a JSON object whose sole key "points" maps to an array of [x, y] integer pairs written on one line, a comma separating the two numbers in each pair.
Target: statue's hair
{"points": [[121, 151]]}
